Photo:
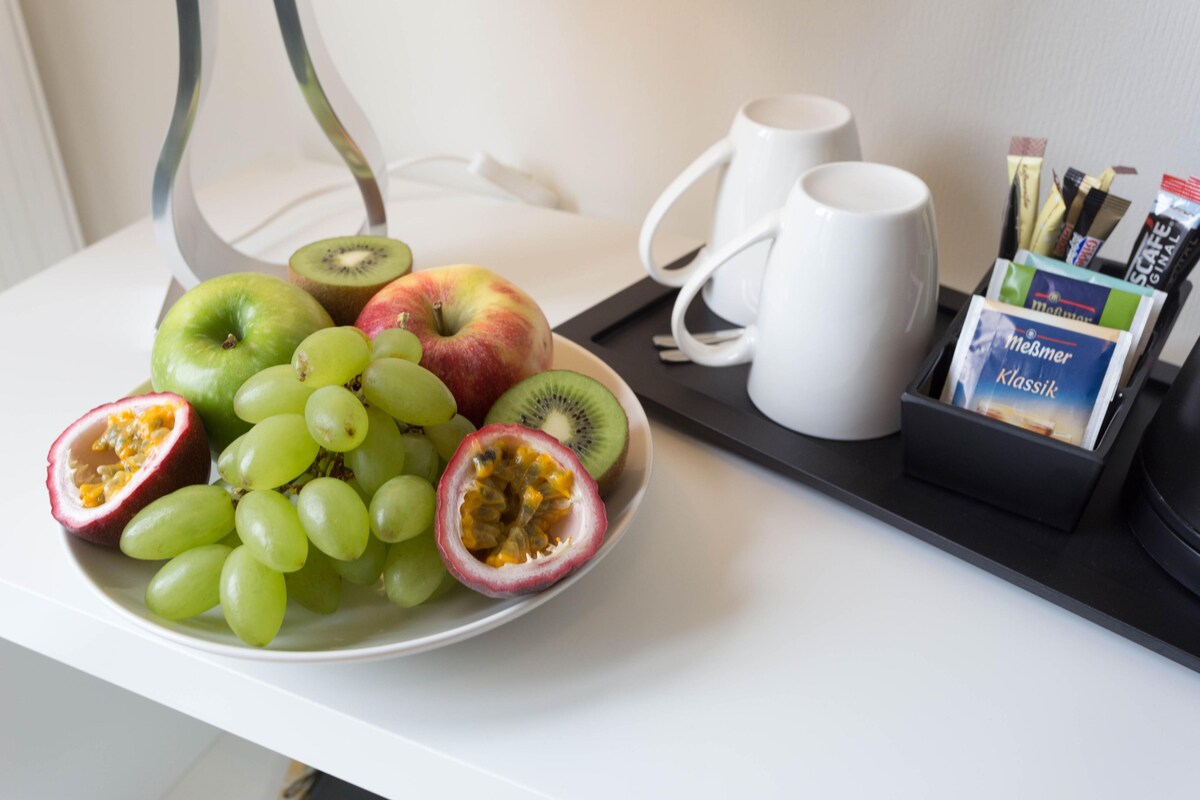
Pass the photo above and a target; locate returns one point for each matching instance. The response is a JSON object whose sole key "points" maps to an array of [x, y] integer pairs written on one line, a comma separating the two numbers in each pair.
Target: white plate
{"points": [[367, 626]]}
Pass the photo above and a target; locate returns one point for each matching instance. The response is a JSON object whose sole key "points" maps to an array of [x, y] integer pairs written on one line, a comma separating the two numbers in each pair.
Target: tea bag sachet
{"points": [[1074, 297], [1043, 373], [1157, 298]]}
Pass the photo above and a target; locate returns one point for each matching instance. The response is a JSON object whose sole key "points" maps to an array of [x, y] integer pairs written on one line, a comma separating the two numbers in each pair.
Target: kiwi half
{"points": [[578, 411], [345, 272]]}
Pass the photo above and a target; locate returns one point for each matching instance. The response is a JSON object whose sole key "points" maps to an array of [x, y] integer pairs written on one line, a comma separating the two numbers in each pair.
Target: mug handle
{"points": [[715, 156], [734, 351]]}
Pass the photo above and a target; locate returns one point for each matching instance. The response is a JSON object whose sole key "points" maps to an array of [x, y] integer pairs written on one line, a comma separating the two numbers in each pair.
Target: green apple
{"points": [[222, 332]]}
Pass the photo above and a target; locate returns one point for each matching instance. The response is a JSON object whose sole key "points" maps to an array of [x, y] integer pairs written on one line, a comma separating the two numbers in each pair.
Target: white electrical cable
{"points": [[510, 181]]}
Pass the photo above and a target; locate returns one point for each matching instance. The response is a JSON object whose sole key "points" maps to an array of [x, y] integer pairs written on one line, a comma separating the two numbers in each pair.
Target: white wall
{"points": [[38, 226], [109, 71], [608, 101]]}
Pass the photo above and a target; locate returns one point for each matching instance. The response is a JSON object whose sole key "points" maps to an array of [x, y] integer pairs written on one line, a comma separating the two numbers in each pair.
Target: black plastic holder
{"points": [[1099, 571], [1018, 470]]}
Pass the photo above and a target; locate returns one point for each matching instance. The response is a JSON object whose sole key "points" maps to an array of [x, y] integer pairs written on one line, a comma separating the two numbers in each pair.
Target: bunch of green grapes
{"points": [[335, 482]]}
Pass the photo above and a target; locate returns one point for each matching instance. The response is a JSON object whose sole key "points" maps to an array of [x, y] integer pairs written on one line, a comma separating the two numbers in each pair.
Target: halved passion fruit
{"points": [[517, 512], [116, 459]]}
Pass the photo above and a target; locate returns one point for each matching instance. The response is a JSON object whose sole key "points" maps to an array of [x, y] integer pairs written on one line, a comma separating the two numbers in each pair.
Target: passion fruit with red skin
{"points": [[552, 511], [180, 457]]}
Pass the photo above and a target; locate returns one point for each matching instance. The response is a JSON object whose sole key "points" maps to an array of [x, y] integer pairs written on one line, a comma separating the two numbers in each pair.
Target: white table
{"points": [[749, 638]]}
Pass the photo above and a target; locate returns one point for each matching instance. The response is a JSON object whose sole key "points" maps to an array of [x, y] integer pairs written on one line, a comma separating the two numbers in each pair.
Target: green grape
{"points": [[381, 454], [336, 419], [448, 583], [413, 571], [420, 456], [366, 569], [360, 491], [396, 343], [185, 518], [408, 392], [268, 525], [227, 462], [331, 356], [275, 451], [233, 491], [253, 597], [274, 390], [449, 435], [232, 540], [403, 508], [316, 585], [335, 518], [188, 584]]}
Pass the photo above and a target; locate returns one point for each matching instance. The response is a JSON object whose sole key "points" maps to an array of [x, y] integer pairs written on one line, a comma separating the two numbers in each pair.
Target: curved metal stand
{"points": [[194, 250]]}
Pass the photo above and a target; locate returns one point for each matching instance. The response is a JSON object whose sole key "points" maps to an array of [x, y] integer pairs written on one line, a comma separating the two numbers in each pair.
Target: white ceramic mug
{"points": [[772, 142], [849, 299]]}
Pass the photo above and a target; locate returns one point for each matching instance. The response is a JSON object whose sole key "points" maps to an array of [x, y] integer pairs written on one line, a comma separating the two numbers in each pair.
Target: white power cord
{"points": [[509, 180]]}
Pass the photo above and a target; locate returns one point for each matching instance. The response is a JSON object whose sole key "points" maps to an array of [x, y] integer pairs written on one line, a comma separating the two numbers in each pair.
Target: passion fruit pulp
{"points": [[118, 458], [517, 512]]}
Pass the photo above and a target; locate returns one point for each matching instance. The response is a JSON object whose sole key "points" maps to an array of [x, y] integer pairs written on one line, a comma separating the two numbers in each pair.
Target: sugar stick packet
{"points": [[1074, 198], [1106, 177], [1025, 154], [1157, 298], [1161, 250], [1049, 220], [1051, 292], [1048, 375], [1071, 183]]}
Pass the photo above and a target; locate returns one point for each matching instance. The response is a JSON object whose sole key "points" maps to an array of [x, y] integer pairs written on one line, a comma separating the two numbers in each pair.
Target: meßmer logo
{"points": [[1027, 343]]}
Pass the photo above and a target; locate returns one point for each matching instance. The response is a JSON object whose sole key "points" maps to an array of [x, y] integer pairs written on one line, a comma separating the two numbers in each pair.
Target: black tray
{"points": [[1099, 572]]}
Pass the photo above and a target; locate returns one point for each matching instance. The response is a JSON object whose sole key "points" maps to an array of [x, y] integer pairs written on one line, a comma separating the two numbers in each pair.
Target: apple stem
{"points": [[438, 321], [402, 320], [230, 342]]}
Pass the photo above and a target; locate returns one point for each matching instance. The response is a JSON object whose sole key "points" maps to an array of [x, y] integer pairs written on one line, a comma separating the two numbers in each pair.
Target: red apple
{"points": [[479, 333]]}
